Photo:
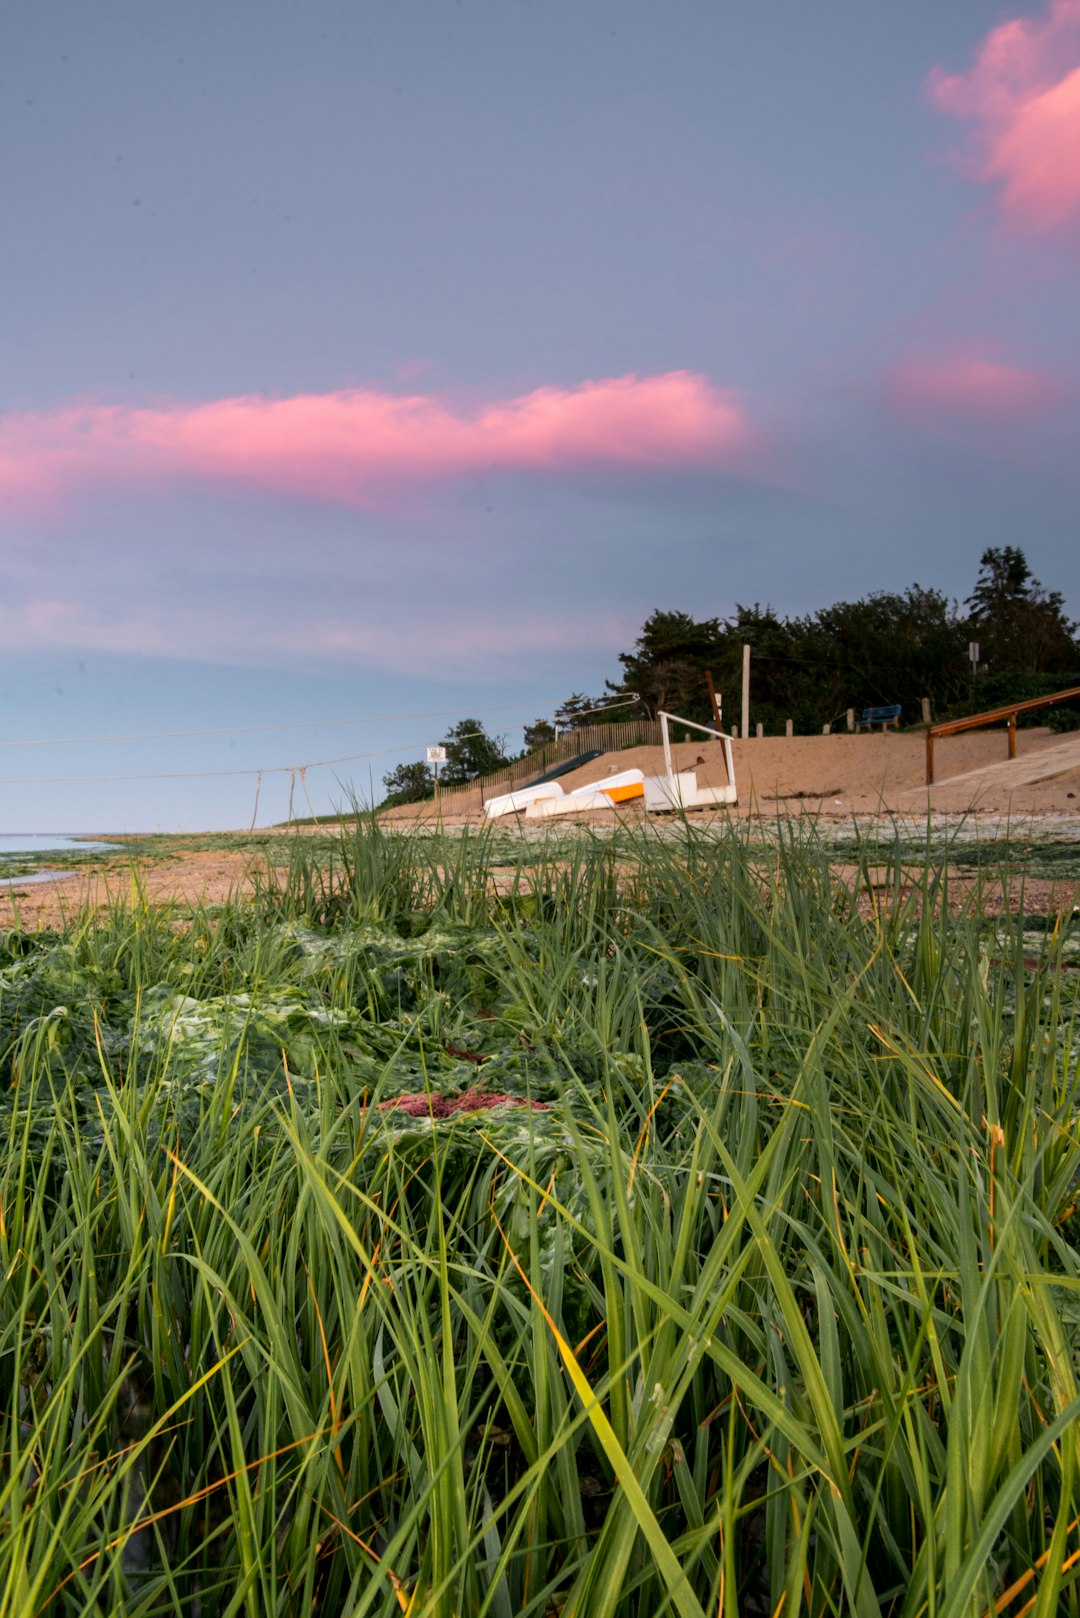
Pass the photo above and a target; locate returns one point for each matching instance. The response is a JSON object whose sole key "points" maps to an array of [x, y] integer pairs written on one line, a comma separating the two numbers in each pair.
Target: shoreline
{"points": [[848, 785]]}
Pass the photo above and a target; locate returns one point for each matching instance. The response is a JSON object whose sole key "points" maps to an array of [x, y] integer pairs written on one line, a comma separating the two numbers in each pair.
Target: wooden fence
{"points": [[600, 738]]}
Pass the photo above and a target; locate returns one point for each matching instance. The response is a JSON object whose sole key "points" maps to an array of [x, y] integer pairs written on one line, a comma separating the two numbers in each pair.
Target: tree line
{"points": [[885, 648]]}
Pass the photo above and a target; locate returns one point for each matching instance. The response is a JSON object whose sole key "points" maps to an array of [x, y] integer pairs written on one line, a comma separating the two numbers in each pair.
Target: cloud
{"points": [[358, 447], [967, 387], [1021, 98], [507, 640]]}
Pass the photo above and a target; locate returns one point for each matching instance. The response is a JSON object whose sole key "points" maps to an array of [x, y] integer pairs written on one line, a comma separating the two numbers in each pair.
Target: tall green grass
{"points": [[772, 1307]]}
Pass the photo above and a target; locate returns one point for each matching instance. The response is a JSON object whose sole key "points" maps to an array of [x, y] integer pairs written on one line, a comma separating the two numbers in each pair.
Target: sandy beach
{"points": [[837, 779]]}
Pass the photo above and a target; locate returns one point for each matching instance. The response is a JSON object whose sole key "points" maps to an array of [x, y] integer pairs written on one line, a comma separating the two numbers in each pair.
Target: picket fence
{"points": [[610, 738]]}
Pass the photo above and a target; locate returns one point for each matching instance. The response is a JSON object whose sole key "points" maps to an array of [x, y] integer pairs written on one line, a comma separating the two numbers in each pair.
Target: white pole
{"points": [[744, 728], [667, 747]]}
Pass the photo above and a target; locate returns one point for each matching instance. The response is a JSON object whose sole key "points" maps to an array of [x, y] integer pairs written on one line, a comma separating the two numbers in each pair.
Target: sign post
{"points": [[436, 756]]}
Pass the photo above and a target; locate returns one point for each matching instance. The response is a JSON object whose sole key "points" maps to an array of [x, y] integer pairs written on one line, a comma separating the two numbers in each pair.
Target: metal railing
{"points": [[952, 727]]}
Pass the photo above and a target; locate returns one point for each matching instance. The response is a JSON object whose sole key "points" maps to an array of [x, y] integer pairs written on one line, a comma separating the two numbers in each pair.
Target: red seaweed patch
{"points": [[422, 1105]]}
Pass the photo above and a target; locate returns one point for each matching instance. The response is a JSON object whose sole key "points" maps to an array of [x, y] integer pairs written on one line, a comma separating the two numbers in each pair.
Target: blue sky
{"points": [[374, 360]]}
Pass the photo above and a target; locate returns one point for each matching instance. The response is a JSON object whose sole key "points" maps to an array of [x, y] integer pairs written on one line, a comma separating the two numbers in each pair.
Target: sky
{"points": [[373, 364]]}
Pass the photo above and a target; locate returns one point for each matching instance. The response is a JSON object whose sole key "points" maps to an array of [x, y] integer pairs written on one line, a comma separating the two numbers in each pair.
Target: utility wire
{"points": [[249, 730], [571, 714], [273, 769], [206, 775]]}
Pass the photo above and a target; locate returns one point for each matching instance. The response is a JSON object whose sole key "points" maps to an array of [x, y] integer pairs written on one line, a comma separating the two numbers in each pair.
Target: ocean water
{"points": [[20, 850], [18, 845]]}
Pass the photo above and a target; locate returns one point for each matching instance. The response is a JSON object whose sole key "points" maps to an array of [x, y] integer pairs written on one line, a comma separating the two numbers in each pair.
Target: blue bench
{"points": [[879, 716]]}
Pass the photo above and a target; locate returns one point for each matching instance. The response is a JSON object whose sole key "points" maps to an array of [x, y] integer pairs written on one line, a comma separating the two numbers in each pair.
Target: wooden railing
{"points": [[952, 727]]}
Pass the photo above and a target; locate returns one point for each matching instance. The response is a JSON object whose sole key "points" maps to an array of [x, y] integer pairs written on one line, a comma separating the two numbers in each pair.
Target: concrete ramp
{"points": [[1011, 773]]}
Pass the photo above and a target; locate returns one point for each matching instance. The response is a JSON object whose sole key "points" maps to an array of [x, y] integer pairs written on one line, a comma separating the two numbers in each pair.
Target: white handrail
{"points": [[706, 730]]}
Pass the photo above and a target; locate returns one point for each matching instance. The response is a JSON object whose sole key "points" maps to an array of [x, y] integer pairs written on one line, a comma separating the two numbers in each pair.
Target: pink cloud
{"points": [[1022, 99], [972, 388], [356, 445]]}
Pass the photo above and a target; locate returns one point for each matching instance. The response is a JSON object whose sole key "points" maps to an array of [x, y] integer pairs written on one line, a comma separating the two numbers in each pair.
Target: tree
{"points": [[1020, 625], [579, 710], [887, 647], [538, 734], [667, 666], [1005, 579], [778, 674], [408, 783], [470, 752]]}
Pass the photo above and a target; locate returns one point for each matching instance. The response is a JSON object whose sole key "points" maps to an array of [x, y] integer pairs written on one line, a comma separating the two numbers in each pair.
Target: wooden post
{"points": [[714, 699], [1012, 735], [929, 758], [851, 719], [789, 727], [826, 730], [745, 691], [760, 730], [926, 710]]}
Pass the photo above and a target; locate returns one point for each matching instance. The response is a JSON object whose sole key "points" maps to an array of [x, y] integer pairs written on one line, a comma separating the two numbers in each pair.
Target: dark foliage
{"points": [[470, 752], [888, 647], [408, 783]]}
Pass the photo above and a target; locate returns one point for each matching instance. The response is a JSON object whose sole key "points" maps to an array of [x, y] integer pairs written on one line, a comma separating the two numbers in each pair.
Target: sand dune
{"points": [[841, 775]]}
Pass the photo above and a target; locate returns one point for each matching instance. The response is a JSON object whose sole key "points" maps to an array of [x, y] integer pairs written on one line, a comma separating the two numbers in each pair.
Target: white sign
{"points": [[436, 755]]}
